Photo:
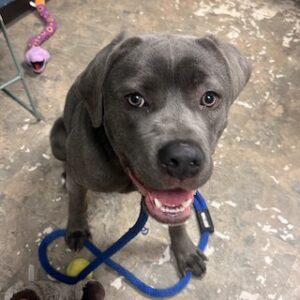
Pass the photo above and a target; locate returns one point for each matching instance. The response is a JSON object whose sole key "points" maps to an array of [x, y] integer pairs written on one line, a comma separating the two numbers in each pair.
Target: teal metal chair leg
{"points": [[4, 87]]}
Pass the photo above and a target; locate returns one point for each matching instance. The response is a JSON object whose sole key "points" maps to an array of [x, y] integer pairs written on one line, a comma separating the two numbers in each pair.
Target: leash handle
{"points": [[205, 226]]}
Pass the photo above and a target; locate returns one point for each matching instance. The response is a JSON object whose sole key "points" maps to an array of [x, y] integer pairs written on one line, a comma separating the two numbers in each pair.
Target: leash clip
{"points": [[144, 230]]}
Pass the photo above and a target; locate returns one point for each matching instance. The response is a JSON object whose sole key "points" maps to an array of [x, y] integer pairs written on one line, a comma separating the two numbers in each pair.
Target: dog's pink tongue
{"points": [[171, 197]]}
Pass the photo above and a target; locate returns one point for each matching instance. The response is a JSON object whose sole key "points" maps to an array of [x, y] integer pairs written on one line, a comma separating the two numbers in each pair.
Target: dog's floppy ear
{"points": [[89, 83], [239, 69]]}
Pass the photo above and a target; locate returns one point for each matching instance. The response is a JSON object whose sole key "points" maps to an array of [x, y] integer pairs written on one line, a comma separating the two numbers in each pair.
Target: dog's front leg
{"points": [[77, 227], [187, 255]]}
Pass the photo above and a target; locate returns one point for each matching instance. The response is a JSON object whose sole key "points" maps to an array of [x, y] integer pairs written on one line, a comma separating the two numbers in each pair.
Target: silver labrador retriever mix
{"points": [[146, 115]]}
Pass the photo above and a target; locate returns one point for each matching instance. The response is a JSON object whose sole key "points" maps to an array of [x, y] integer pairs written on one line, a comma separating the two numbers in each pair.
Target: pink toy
{"points": [[36, 56]]}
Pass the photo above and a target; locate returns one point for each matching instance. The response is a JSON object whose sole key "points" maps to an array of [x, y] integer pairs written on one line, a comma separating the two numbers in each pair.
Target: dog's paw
{"points": [[190, 259], [75, 238], [193, 262]]}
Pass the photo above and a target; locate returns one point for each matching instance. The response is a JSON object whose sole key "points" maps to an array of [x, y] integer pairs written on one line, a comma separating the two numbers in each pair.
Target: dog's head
{"points": [[163, 101]]}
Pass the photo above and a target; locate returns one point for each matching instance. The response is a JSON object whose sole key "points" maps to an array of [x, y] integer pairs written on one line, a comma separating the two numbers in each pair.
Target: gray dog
{"points": [[146, 115]]}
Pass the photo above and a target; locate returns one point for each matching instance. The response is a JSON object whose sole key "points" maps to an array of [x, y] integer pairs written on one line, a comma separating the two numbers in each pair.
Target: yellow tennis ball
{"points": [[76, 266]]}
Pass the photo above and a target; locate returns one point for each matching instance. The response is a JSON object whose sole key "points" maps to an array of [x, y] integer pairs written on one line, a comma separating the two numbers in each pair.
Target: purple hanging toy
{"points": [[36, 56]]}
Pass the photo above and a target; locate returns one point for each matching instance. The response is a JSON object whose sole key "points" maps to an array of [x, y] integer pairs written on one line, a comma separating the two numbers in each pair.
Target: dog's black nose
{"points": [[181, 159]]}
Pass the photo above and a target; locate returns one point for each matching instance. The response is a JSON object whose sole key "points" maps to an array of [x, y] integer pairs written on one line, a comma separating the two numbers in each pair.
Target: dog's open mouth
{"points": [[166, 206]]}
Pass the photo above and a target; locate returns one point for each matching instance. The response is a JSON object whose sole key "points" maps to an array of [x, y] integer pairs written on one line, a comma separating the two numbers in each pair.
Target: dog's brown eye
{"points": [[209, 99], [135, 100]]}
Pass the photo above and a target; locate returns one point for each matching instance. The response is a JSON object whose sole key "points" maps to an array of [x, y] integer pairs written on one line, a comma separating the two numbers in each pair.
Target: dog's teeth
{"points": [[187, 203], [157, 203], [163, 209], [174, 210]]}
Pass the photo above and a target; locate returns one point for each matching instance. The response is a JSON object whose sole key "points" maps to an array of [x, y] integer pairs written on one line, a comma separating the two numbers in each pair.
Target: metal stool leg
{"points": [[31, 108]]}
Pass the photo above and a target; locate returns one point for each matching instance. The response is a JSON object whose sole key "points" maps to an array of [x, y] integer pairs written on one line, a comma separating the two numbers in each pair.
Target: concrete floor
{"points": [[254, 194]]}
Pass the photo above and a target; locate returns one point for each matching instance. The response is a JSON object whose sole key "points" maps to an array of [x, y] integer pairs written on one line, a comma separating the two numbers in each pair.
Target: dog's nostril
{"points": [[173, 162], [194, 163]]}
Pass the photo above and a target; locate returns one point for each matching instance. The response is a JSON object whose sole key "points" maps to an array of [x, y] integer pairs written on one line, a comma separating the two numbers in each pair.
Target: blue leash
{"points": [[206, 228]]}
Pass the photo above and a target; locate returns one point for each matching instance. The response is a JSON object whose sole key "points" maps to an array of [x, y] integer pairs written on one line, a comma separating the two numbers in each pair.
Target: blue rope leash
{"points": [[205, 225]]}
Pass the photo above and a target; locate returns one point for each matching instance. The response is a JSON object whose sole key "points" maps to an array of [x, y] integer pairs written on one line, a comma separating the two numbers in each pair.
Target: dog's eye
{"points": [[135, 100], [209, 99]]}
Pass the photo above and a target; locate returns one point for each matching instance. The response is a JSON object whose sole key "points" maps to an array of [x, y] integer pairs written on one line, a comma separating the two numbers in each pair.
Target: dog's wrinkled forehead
{"points": [[169, 61], [159, 63]]}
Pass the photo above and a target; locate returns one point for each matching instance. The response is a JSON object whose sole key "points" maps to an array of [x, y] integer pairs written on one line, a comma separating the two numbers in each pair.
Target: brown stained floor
{"points": [[254, 194]]}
